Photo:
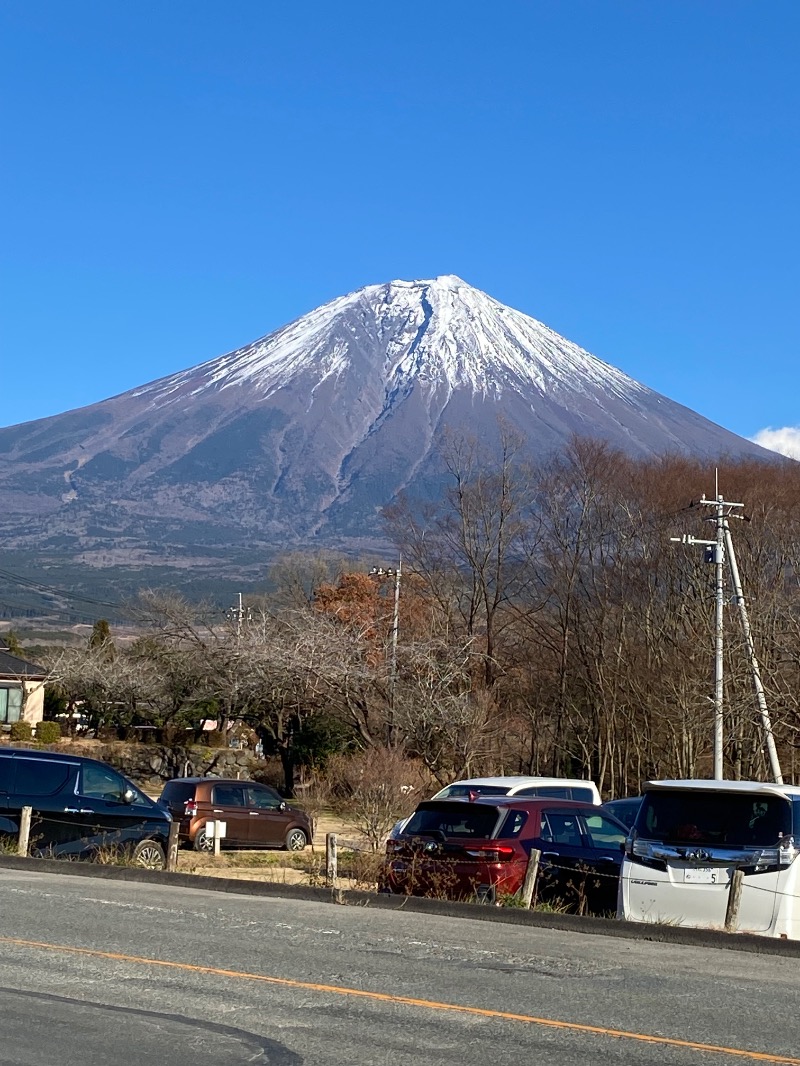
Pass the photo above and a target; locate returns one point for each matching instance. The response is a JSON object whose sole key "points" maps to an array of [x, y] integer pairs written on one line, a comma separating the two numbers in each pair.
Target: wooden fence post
{"points": [[531, 873], [331, 861], [734, 899], [172, 846], [24, 840]]}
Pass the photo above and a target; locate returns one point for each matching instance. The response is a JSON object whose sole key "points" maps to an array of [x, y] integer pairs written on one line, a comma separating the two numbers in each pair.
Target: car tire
{"points": [[202, 842], [296, 840], [149, 855]]}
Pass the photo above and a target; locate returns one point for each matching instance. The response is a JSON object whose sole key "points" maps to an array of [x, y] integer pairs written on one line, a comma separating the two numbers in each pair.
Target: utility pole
{"points": [[715, 552], [237, 613]]}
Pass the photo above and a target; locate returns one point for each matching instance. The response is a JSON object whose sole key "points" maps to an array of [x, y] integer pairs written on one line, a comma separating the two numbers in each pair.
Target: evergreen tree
{"points": [[13, 645]]}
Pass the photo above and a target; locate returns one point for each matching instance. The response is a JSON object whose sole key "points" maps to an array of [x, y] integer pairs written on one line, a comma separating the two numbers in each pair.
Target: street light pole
{"points": [[380, 571], [395, 628]]}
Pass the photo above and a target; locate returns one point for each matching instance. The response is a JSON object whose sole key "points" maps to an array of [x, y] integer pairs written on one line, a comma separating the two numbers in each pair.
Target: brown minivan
{"points": [[255, 815]]}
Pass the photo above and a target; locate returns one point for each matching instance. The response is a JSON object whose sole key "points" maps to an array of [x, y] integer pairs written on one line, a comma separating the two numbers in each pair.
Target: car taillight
{"points": [[190, 808], [491, 852]]}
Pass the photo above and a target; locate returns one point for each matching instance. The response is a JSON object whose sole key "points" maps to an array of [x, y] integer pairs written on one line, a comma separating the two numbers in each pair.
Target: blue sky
{"points": [[179, 179]]}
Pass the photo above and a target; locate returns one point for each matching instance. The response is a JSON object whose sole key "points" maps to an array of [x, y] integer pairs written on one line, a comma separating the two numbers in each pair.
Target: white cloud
{"points": [[786, 441]]}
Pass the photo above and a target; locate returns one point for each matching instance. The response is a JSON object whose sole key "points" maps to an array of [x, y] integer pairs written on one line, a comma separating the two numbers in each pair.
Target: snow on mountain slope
{"points": [[440, 332]]}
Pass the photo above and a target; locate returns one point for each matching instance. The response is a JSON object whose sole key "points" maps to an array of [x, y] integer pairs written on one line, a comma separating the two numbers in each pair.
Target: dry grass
{"points": [[358, 864]]}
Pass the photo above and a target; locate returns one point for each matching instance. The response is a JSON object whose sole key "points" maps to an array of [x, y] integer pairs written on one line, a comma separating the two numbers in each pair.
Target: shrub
{"points": [[373, 789], [48, 732], [21, 731]]}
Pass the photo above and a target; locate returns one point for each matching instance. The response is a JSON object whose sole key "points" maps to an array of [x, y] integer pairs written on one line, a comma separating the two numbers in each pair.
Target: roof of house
{"points": [[11, 666]]}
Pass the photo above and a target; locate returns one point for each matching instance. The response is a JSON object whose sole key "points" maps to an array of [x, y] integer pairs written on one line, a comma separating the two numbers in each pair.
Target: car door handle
{"points": [[217, 810], [607, 858], [550, 855], [254, 814], [75, 810]]}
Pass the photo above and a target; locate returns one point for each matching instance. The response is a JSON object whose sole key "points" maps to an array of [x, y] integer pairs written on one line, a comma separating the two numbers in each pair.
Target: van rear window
{"points": [[724, 819], [178, 792], [40, 777]]}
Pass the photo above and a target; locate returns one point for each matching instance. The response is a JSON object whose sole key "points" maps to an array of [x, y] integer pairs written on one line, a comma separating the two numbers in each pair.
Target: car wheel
{"points": [[149, 854], [296, 840], [201, 841]]}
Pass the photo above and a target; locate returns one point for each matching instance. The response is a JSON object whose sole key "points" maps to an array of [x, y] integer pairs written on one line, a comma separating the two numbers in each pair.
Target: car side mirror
{"points": [[282, 806], [128, 796], [622, 846]]}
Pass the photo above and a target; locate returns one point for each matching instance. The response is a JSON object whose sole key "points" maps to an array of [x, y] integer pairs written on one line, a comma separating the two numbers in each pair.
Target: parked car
{"points": [[255, 815], [479, 850], [693, 837], [553, 787], [624, 809], [81, 808]]}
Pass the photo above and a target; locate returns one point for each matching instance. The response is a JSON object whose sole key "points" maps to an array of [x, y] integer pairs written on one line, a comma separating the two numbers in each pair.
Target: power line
{"points": [[53, 591]]}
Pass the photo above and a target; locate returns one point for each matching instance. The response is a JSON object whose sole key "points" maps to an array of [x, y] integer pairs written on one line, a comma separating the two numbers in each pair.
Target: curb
{"points": [[659, 934]]}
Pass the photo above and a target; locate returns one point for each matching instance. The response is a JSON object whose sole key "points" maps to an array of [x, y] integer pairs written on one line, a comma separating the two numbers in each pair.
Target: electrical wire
{"points": [[51, 590]]}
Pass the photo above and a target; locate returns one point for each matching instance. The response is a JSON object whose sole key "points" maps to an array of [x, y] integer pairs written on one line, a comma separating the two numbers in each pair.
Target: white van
{"points": [[688, 839], [553, 787]]}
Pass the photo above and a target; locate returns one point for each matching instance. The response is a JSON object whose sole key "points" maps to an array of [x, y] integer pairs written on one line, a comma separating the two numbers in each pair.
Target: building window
{"points": [[10, 704]]}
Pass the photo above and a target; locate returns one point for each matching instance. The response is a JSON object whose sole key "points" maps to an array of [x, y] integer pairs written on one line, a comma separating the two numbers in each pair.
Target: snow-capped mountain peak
{"points": [[440, 333]]}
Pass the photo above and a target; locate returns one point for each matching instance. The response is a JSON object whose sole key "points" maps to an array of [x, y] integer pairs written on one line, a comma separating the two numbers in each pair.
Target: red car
{"points": [[455, 849]]}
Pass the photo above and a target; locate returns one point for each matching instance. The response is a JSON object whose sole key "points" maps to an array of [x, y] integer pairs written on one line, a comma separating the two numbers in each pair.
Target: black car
{"points": [[624, 809], [82, 808]]}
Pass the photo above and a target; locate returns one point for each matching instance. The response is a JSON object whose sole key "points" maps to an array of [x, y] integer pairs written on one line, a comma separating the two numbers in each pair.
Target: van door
{"points": [[45, 785], [268, 823], [228, 805], [100, 806], [563, 856]]}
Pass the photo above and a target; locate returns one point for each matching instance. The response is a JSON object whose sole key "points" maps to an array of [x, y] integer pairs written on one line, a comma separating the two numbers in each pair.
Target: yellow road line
{"points": [[409, 1001]]}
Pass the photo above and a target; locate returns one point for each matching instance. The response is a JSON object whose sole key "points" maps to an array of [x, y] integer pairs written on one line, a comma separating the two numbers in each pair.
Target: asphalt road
{"points": [[96, 972]]}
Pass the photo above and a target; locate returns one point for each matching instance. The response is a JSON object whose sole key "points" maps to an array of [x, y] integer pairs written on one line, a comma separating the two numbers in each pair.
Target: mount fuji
{"points": [[304, 435]]}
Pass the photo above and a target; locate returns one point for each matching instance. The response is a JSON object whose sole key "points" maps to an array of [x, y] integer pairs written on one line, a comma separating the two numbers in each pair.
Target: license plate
{"points": [[704, 875]]}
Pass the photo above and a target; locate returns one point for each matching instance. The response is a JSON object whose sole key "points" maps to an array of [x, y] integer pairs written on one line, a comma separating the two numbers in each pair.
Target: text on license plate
{"points": [[705, 875]]}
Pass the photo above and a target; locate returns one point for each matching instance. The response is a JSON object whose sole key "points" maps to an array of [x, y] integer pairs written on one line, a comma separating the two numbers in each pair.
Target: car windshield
{"points": [[725, 819], [458, 791], [454, 820]]}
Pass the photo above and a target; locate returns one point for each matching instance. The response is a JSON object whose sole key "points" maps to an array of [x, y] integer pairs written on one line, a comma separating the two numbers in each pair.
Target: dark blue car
{"points": [[624, 809]]}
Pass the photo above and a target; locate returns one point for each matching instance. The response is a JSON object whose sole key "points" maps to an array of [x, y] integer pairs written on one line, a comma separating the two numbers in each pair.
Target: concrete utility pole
{"points": [[715, 552], [237, 613]]}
